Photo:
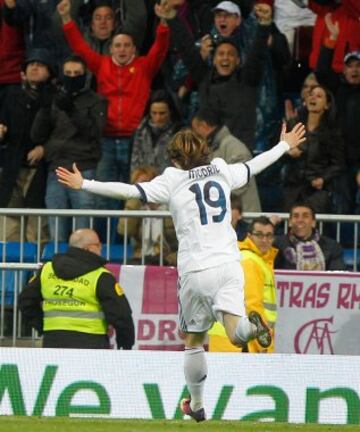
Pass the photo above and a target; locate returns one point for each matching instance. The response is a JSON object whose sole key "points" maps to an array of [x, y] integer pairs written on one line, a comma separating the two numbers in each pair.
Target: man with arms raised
{"points": [[197, 191]]}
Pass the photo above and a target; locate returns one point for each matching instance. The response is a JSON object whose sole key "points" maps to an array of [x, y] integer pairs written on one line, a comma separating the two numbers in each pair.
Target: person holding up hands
{"points": [[124, 79]]}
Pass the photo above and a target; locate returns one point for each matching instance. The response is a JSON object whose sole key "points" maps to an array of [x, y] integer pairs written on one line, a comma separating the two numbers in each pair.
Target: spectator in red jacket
{"points": [[12, 53], [124, 79], [347, 14]]}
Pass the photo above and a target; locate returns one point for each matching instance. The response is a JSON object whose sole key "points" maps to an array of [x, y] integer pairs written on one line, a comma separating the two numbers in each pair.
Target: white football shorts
{"points": [[203, 296]]}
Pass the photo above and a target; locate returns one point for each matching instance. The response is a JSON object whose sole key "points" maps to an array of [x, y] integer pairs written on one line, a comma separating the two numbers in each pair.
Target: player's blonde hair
{"points": [[189, 149]]}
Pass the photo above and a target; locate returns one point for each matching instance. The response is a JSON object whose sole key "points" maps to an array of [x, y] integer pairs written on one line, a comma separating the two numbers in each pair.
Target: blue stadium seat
{"points": [[348, 255], [15, 252], [116, 252], [49, 250], [11, 251]]}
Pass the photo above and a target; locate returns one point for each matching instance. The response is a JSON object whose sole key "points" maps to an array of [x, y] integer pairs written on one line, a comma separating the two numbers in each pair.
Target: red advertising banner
{"points": [[318, 312]]}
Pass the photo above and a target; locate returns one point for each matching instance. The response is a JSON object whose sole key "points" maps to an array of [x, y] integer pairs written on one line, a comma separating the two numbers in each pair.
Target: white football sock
{"points": [[195, 370], [245, 330]]}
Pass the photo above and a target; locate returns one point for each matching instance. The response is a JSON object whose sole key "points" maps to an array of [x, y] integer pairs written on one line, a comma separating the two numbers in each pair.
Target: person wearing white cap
{"points": [[228, 6]]}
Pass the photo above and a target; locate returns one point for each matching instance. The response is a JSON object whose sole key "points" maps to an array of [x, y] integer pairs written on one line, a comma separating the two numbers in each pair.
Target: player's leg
{"points": [[195, 371], [195, 317], [230, 310], [238, 329]]}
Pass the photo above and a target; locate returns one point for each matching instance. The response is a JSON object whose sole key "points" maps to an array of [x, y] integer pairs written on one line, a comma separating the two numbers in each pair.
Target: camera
{"points": [[215, 39]]}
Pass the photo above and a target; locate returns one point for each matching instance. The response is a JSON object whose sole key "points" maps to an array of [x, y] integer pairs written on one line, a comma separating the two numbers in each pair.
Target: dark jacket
{"points": [[42, 25], [18, 112], [347, 98], [234, 97], [150, 145], [74, 263], [72, 136], [331, 249], [323, 156]]}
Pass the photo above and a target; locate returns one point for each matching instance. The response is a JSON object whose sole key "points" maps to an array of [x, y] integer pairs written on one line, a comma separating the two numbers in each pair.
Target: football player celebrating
{"points": [[197, 192]]}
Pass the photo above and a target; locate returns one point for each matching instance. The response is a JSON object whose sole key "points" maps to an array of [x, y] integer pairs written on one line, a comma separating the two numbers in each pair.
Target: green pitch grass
{"points": [[44, 424]]}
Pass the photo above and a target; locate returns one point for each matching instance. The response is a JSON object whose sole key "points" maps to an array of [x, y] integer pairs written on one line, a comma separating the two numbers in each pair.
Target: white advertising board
{"points": [[144, 384]]}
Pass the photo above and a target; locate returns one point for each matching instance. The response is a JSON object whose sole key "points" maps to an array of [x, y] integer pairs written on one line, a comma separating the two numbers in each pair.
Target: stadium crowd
{"points": [[107, 84]]}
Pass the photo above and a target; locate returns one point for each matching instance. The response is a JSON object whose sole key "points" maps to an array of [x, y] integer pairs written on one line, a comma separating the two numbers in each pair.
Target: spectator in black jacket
{"points": [[73, 298], [303, 247], [22, 183], [313, 171], [70, 130], [346, 88]]}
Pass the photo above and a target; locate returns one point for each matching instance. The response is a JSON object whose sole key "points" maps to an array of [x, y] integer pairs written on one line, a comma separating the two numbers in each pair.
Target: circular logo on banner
{"points": [[315, 337]]}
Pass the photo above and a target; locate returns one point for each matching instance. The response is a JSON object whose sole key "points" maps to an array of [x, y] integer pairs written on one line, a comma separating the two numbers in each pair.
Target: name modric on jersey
{"points": [[203, 172]]}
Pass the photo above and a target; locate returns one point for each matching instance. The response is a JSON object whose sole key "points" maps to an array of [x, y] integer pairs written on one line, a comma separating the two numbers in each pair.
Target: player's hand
{"points": [[73, 180], [295, 137]]}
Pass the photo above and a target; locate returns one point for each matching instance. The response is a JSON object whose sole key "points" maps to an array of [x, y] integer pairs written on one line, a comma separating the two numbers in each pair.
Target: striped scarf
{"points": [[306, 254]]}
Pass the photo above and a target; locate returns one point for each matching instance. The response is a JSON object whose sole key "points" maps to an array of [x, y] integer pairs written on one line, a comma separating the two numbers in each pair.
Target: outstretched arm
{"points": [[288, 141], [75, 180]]}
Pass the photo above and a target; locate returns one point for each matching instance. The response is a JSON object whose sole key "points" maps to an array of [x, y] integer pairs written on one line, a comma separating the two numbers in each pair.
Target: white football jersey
{"points": [[199, 202]]}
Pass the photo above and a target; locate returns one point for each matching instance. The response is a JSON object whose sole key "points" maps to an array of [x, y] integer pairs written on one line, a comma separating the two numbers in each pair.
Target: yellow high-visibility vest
{"points": [[269, 286], [72, 304], [269, 293]]}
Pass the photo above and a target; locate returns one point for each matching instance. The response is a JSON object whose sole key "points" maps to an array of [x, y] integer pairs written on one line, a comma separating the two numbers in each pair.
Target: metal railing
{"points": [[337, 222], [19, 272], [10, 312]]}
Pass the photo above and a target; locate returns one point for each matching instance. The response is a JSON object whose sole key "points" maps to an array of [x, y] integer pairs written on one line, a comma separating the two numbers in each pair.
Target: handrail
{"points": [[155, 214]]}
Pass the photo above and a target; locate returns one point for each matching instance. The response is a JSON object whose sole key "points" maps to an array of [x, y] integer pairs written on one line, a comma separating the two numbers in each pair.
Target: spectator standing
{"points": [[22, 183], [73, 299], [70, 130], [346, 87], [12, 53], [294, 107], [258, 257], [313, 169], [102, 26], [42, 30], [154, 133], [104, 17], [124, 79], [210, 277], [224, 86], [346, 14], [303, 247], [226, 146], [289, 18]]}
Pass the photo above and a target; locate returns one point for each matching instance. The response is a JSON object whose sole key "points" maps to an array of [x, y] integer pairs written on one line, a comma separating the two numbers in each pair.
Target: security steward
{"points": [[73, 299], [258, 257]]}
